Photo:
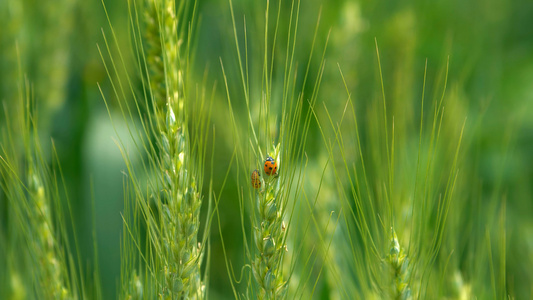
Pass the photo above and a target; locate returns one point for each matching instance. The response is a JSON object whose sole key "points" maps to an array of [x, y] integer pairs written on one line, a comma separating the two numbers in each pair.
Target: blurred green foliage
{"points": [[490, 49]]}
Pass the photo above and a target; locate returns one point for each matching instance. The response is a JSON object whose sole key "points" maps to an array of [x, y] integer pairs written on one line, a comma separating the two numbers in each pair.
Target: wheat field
{"points": [[289, 149]]}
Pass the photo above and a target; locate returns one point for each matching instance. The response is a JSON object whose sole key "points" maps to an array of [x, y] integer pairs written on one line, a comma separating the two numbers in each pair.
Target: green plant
{"points": [[269, 237], [396, 179], [36, 218], [271, 207], [170, 207]]}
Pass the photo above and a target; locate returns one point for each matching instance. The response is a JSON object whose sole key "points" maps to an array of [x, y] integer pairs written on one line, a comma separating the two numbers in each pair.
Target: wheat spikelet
{"points": [[399, 266], [181, 256], [269, 237], [52, 280]]}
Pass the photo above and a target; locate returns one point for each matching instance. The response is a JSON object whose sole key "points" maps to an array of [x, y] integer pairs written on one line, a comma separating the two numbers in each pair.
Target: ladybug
{"points": [[271, 166], [256, 179]]}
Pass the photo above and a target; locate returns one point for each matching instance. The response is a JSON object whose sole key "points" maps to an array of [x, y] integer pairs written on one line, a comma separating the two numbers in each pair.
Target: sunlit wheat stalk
{"points": [[181, 254]]}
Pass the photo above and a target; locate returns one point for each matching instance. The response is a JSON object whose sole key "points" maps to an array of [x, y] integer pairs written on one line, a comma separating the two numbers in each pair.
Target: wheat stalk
{"points": [[269, 238], [180, 217], [162, 55], [52, 277], [181, 254], [31, 190]]}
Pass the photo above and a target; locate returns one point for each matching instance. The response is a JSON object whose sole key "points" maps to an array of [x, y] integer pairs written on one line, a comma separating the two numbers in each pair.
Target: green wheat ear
{"points": [[162, 53], [180, 222], [269, 238], [181, 255], [279, 130], [44, 268], [169, 201], [53, 274], [399, 265]]}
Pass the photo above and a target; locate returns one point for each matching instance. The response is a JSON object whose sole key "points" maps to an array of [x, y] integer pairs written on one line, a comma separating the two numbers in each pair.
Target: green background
{"points": [[490, 48]]}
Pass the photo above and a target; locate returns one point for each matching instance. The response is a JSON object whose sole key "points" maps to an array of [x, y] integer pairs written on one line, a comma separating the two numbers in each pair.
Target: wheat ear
{"points": [[181, 254]]}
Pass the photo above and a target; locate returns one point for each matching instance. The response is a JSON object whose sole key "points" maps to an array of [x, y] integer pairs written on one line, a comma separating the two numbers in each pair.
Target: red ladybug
{"points": [[256, 179], [271, 166]]}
